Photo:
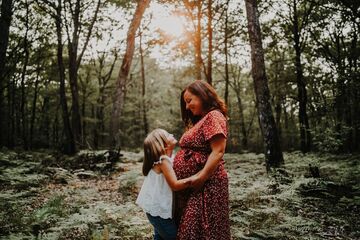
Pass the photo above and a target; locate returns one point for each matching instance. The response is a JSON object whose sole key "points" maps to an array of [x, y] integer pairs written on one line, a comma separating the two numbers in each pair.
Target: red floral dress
{"points": [[203, 214]]}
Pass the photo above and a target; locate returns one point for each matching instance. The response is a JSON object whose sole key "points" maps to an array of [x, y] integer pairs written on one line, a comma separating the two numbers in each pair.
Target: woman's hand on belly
{"points": [[218, 144]]}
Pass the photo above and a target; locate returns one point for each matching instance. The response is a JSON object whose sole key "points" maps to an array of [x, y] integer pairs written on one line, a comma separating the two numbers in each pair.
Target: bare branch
{"points": [[89, 32]]}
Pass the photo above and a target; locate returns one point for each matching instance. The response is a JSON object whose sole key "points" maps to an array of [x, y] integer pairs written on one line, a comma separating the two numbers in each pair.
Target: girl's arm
{"points": [[218, 145], [170, 177]]}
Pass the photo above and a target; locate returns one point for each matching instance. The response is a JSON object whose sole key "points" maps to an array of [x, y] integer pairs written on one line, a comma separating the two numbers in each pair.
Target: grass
{"points": [[285, 204], [291, 205]]}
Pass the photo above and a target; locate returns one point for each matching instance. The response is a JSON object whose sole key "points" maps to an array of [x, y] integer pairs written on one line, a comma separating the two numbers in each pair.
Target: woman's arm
{"points": [[170, 177], [218, 145]]}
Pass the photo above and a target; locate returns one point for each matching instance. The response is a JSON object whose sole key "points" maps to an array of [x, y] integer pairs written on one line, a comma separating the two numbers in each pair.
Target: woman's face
{"points": [[193, 103]]}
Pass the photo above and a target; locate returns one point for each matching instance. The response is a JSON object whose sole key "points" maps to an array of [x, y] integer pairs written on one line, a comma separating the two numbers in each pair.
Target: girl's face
{"points": [[193, 103], [171, 141]]}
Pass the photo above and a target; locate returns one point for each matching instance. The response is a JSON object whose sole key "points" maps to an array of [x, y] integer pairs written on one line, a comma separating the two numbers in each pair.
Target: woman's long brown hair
{"points": [[210, 101]]}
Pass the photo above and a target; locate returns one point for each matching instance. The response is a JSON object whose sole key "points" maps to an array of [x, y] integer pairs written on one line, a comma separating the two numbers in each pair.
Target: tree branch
{"points": [[89, 33]]}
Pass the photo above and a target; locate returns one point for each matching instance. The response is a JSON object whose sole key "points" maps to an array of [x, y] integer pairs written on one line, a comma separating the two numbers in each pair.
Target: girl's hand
{"points": [[197, 182], [187, 181]]}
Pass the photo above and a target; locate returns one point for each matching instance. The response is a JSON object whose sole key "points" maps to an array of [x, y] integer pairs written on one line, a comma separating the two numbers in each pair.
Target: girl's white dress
{"points": [[156, 196]]}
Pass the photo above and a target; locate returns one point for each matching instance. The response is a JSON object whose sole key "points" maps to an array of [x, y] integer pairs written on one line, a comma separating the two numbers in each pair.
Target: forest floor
{"points": [[49, 196]]}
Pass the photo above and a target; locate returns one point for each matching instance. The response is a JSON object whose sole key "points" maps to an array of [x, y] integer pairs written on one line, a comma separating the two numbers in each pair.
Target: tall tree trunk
{"points": [[210, 38], [197, 42], [73, 74], [11, 114], [86, 93], [99, 102], [143, 88], [45, 118], [287, 130], [340, 92], [354, 89], [357, 119], [69, 144], [119, 95], [99, 114], [196, 37], [23, 108], [236, 85], [273, 153], [242, 120], [226, 95], [278, 111], [305, 136], [83, 113], [95, 130], [75, 57], [5, 21], [357, 92], [33, 111], [55, 130], [348, 117], [103, 80], [75, 109], [277, 99]]}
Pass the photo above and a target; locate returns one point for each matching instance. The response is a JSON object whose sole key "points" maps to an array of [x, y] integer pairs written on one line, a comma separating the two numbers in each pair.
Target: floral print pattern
{"points": [[203, 214]]}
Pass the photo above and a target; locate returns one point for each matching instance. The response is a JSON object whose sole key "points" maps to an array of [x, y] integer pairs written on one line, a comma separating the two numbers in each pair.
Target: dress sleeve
{"points": [[214, 124]]}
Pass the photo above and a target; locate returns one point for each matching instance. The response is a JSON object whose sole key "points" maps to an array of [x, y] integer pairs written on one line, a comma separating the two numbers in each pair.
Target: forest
{"points": [[82, 83]]}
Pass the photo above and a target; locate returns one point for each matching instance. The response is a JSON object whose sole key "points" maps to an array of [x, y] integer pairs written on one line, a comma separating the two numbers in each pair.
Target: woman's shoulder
{"points": [[215, 113], [215, 123]]}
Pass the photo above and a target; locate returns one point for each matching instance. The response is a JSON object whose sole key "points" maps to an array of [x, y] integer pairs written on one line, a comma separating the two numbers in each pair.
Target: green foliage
{"points": [[81, 232], [11, 217], [329, 46], [102, 235], [272, 207], [161, 105], [55, 206], [47, 216], [284, 204], [331, 140], [128, 184], [123, 3]]}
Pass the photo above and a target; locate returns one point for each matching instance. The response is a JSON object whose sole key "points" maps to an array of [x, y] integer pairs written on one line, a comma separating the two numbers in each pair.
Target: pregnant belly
{"points": [[188, 163]]}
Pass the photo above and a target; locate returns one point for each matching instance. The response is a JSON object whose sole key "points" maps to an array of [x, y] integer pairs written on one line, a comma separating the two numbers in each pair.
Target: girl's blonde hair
{"points": [[154, 147]]}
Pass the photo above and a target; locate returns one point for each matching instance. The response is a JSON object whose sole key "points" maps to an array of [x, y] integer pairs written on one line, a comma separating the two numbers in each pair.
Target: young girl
{"points": [[156, 197]]}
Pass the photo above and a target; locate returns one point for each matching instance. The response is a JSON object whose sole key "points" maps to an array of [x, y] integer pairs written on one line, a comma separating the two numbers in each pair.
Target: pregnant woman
{"points": [[202, 212]]}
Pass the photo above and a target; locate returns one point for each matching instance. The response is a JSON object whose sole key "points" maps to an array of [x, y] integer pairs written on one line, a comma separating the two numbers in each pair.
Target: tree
{"points": [[196, 34], [226, 52], [298, 23], [5, 21], [76, 54], [86, 91], [273, 153], [143, 86], [236, 86], [103, 76], [340, 49], [23, 109], [210, 38], [282, 82], [120, 89], [55, 11], [36, 93]]}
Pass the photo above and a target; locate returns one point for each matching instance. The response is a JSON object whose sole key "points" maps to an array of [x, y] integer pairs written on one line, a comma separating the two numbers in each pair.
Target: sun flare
{"points": [[171, 25]]}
